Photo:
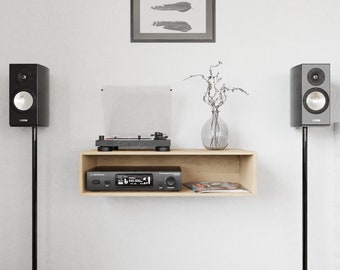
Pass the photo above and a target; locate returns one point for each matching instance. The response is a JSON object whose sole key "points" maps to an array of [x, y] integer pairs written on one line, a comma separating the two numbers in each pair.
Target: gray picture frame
{"points": [[172, 35]]}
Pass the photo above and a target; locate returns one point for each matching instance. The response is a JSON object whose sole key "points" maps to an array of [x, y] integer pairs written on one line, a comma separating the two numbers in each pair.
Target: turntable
{"points": [[157, 141]]}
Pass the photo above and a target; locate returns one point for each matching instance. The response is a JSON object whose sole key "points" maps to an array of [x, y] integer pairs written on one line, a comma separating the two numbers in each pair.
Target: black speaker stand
{"points": [[34, 198], [304, 199]]}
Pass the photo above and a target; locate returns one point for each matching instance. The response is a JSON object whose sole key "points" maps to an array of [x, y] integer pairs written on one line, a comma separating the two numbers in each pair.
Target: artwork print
{"points": [[171, 20]]}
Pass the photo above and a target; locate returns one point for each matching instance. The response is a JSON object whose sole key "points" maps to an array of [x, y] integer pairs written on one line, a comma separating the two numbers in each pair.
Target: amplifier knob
{"points": [[170, 181]]}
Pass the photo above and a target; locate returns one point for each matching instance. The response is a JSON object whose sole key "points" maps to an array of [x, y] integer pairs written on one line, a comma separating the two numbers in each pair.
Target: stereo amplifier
{"points": [[134, 178]]}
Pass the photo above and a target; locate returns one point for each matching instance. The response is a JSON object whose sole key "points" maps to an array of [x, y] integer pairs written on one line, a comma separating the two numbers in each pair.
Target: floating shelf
{"points": [[231, 165]]}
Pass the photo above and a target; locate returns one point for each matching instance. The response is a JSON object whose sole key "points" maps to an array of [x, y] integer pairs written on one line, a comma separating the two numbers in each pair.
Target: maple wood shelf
{"points": [[231, 165]]}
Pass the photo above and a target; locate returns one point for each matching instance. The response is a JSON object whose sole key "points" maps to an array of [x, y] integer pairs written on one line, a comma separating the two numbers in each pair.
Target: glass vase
{"points": [[215, 135]]}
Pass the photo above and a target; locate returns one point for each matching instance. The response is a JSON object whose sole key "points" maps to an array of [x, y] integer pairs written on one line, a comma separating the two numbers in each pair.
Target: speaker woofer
{"points": [[316, 100], [23, 101], [316, 76]]}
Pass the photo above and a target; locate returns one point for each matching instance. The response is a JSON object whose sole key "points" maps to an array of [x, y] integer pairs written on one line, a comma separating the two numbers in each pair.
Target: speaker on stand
{"points": [[309, 106], [29, 107]]}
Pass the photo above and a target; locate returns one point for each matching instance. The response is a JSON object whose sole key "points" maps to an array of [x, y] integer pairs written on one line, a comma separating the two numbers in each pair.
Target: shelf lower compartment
{"points": [[232, 165]]}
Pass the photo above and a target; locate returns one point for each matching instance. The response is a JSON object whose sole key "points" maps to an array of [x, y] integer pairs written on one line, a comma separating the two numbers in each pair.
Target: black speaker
{"points": [[310, 95], [28, 95]]}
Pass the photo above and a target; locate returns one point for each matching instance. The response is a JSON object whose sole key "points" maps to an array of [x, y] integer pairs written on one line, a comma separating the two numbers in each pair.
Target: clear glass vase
{"points": [[215, 135]]}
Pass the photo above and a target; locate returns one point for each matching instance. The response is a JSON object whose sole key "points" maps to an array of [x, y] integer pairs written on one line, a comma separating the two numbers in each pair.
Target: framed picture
{"points": [[172, 21]]}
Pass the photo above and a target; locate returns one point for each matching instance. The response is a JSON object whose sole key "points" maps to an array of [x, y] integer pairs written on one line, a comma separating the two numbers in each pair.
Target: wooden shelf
{"points": [[231, 165]]}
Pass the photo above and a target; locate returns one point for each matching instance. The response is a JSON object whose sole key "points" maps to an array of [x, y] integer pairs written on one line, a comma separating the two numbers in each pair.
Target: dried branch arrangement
{"points": [[216, 94]]}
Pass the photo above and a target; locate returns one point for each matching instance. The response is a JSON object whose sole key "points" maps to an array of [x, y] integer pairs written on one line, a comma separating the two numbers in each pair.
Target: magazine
{"points": [[206, 187]]}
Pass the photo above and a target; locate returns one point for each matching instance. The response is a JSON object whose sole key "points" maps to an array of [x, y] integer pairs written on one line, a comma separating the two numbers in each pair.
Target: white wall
{"points": [[86, 46]]}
